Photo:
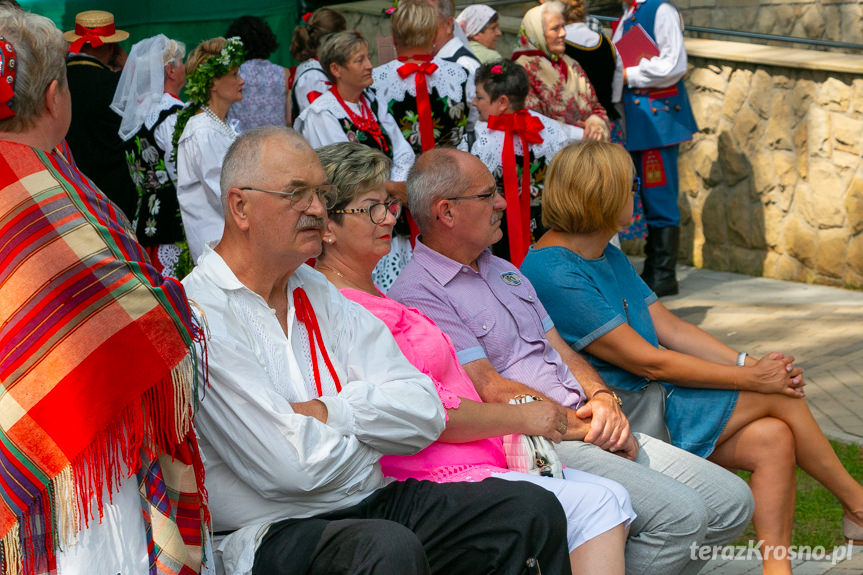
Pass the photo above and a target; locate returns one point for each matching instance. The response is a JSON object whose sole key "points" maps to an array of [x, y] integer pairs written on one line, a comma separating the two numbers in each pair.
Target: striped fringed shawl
{"points": [[98, 372]]}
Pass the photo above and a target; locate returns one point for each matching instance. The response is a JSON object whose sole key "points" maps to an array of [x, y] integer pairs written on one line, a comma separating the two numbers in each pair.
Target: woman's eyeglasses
{"points": [[377, 212]]}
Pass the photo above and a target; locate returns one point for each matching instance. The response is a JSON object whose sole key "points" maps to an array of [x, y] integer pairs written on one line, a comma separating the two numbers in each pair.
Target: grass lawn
{"points": [[817, 515]]}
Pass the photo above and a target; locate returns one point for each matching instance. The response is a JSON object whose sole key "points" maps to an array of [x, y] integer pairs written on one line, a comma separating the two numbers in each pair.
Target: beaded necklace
{"points": [[229, 131], [367, 122]]}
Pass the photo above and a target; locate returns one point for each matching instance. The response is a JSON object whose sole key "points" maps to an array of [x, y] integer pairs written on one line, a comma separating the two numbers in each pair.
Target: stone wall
{"points": [[773, 183], [836, 20]]}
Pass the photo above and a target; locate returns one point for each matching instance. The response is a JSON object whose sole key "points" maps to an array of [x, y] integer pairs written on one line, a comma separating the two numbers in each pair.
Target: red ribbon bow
{"points": [[7, 78], [423, 102], [306, 315], [91, 35], [527, 128]]}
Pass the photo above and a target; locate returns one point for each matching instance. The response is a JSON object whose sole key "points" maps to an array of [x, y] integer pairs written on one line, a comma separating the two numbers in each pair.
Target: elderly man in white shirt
{"points": [[308, 390]]}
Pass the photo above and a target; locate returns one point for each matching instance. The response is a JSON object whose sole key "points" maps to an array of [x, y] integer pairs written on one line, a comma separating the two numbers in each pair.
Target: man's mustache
{"points": [[307, 221]]}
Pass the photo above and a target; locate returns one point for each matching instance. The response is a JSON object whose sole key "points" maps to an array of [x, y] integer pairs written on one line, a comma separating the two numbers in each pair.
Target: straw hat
{"points": [[93, 20]]}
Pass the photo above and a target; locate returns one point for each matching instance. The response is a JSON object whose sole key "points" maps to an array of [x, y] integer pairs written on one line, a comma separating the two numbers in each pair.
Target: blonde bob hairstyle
{"points": [[414, 24], [586, 187]]}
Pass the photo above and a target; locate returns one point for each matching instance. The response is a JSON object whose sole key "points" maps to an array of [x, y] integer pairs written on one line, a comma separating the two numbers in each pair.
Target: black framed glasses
{"points": [[636, 185], [301, 196], [377, 212]]}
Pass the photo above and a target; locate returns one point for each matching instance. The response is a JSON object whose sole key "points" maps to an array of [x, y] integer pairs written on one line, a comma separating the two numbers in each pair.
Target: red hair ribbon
{"points": [[427, 68], [527, 128], [91, 35], [306, 315], [8, 66], [306, 17]]}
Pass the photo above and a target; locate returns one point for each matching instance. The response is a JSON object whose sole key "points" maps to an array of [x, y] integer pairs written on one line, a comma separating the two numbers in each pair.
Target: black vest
{"points": [[157, 215], [598, 63]]}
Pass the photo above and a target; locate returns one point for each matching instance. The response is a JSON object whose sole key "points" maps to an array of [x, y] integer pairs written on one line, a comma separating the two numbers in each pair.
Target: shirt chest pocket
{"points": [[497, 341]]}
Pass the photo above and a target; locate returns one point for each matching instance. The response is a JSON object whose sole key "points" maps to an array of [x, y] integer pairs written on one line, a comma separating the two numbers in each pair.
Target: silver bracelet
{"points": [[741, 358]]}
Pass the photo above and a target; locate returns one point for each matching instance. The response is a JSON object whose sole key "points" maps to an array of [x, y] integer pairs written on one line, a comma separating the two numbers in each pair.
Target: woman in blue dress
{"points": [[738, 411]]}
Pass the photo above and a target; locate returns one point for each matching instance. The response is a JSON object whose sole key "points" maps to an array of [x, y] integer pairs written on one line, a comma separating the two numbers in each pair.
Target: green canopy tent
{"points": [[190, 21]]}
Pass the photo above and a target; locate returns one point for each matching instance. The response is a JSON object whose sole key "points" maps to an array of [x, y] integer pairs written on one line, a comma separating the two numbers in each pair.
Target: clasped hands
{"points": [[776, 373], [599, 421]]}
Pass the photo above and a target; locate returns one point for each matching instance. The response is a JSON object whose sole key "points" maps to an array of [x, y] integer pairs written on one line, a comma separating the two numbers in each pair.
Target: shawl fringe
{"points": [[160, 423]]}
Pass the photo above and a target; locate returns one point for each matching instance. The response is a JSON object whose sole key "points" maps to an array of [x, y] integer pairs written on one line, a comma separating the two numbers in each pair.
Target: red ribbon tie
{"points": [[306, 315], [426, 68], [527, 128]]}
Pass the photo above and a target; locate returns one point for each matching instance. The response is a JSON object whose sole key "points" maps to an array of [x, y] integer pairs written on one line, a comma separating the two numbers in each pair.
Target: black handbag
{"points": [[645, 409]]}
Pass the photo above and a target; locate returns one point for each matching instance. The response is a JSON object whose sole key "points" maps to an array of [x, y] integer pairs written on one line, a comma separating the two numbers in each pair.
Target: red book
{"points": [[635, 45]]}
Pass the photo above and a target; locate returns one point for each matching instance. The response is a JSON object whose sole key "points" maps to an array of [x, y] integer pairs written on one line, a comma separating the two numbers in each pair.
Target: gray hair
{"points": [[553, 7], [241, 166], [354, 169], [40, 53], [435, 175], [175, 51], [337, 49], [445, 9]]}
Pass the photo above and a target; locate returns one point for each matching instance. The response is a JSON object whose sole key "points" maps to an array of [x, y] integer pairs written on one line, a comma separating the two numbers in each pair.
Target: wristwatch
{"points": [[613, 395]]}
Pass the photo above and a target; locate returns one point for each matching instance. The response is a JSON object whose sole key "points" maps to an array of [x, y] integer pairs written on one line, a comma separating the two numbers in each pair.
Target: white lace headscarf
{"points": [[474, 18], [143, 81]]}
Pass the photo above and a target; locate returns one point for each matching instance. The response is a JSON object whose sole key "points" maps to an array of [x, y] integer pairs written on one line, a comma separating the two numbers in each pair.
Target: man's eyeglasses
{"points": [[486, 196], [636, 185], [377, 212], [301, 196]]}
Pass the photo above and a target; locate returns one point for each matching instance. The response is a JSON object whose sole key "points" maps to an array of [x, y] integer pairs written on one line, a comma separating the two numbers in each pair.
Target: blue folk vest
{"points": [[655, 117]]}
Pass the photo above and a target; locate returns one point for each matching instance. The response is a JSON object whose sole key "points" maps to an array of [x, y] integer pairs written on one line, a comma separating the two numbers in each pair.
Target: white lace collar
{"points": [[165, 103], [449, 80], [489, 143]]}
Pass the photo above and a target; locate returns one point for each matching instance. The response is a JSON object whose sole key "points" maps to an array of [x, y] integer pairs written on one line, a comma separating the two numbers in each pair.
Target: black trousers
{"points": [[422, 527]]}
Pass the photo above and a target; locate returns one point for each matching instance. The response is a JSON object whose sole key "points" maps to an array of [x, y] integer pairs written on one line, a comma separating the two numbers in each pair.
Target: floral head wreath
{"points": [[199, 83]]}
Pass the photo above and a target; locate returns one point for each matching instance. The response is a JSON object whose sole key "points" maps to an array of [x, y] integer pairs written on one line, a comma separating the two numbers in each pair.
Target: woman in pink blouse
{"points": [[358, 234]]}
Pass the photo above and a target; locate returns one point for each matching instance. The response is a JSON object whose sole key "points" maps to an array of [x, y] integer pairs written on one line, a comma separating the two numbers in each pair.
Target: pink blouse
{"points": [[431, 351]]}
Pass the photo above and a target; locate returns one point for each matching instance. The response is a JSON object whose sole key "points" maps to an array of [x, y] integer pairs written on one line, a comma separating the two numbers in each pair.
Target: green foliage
{"points": [[199, 83]]}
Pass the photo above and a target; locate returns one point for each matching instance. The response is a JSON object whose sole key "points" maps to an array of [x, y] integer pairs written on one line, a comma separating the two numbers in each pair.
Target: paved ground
{"points": [[821, 326]]}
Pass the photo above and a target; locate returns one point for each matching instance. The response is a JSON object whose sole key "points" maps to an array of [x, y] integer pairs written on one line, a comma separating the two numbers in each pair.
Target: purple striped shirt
{"points": [[494, 314]]}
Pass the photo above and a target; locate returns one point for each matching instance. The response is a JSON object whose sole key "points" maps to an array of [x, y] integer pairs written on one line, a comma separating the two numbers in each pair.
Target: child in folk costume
{"points": [[503, 133]]}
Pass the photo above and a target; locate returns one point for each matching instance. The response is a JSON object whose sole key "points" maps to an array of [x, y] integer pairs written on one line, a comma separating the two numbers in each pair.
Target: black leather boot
{"points": [[663, 244], [649, 269]]}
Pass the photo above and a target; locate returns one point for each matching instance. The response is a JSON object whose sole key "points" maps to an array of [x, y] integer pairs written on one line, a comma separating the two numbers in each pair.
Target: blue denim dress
{"points": [[587, 298]]}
